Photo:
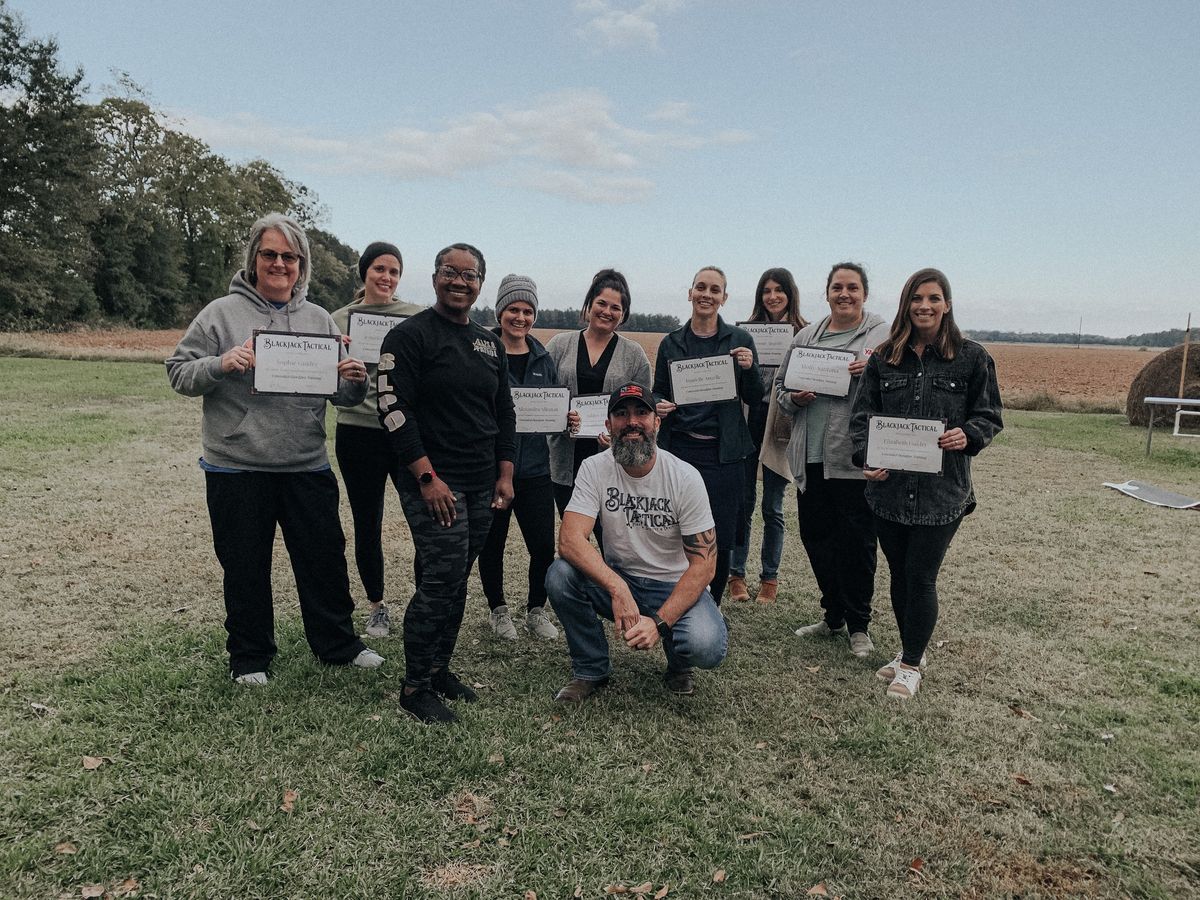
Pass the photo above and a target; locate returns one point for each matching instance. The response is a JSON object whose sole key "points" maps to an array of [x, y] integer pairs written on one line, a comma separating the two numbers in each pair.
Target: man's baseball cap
{"points": [[631, 390]]}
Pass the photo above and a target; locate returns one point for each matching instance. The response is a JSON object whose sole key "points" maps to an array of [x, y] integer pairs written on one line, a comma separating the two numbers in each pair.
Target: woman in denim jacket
{"points": [[925, 368]]}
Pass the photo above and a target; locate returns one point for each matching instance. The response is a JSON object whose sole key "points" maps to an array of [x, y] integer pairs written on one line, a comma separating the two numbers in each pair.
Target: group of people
{"points": [[656, 510]]}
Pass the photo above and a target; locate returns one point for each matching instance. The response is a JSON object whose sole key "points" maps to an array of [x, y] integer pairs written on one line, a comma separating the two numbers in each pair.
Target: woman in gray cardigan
{"points": [[595, 360]]}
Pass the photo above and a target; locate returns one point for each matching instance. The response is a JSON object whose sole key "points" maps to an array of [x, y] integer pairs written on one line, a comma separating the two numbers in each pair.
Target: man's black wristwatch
{"points": [[664, 630], [425, 477]]}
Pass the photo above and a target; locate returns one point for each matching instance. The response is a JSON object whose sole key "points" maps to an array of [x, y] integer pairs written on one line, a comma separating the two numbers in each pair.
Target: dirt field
{"points": [[1091, 375]]}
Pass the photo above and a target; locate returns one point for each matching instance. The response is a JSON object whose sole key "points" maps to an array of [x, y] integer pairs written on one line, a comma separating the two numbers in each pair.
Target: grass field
{"points": [[1054, 749]]}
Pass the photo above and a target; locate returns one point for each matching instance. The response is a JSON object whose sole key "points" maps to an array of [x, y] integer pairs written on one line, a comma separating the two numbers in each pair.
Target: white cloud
{"points": [[678, 112], [617, 28], [571, 140]]}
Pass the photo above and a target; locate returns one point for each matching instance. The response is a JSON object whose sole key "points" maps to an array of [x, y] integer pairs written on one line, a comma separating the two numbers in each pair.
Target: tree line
{"points": [[109, 214], [569, 318], [1167, 338]]}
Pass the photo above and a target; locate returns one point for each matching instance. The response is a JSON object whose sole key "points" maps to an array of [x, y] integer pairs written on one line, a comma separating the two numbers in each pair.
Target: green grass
{"points": [[787, 769]]}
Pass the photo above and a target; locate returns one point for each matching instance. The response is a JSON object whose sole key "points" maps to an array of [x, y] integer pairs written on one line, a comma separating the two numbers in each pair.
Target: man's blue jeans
{"points": [[698, 639]]}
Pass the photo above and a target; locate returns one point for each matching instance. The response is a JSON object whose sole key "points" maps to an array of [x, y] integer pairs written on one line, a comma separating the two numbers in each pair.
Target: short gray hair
{"points": [[296, 239]]}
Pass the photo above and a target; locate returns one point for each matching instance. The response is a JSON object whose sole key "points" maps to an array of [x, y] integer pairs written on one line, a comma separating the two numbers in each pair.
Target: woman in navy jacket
{"points": [[924, 369]]}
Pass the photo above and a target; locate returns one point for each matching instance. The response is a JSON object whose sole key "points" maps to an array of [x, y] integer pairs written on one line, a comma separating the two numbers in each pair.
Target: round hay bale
{"points": [[1160, 378]]}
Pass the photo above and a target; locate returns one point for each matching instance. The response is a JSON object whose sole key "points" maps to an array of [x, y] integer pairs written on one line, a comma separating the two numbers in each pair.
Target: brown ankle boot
{"points": [[767, 591], [737, 589]]}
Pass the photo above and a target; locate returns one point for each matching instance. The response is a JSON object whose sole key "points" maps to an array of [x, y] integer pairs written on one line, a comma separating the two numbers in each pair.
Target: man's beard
{"points": [[633, 454]]}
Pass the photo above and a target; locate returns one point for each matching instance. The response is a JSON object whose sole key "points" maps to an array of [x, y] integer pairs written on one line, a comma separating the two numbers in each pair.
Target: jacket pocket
{"points": [[950, 398], [895, 394]]}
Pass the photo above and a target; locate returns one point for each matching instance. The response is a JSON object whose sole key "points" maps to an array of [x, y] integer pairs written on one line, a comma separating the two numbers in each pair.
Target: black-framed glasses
{"points": [[449, 273], [289, 258]]}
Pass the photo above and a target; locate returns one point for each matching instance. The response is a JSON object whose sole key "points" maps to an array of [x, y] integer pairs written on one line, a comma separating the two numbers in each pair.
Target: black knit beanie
{"points": [[373, 251]]}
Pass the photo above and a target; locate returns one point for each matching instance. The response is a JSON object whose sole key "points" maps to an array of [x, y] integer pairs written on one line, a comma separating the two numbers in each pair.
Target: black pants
{"points": [[367, 461], [244, 509], [837, 529], [533, 505], [435, 613], [914, 554], [724, 483]]}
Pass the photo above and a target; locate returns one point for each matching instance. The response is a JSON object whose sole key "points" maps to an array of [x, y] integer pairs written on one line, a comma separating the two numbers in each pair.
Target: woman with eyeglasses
{"points": [[364, 456], [595, 360], [713, 437], [445, 406], [776, 300], [264, 461], [925, 368]]}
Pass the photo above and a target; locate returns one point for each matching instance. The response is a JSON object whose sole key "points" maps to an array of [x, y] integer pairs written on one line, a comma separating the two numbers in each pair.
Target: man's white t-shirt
{"points": [[644, 519]]}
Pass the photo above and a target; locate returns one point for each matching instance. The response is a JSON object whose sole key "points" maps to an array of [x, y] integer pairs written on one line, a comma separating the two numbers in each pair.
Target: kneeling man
{"points": [[659, 555]]}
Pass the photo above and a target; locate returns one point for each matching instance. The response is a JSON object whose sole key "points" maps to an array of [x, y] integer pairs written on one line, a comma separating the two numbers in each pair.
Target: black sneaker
{"points": [[680, 682], [425, 707], [446, 684]]}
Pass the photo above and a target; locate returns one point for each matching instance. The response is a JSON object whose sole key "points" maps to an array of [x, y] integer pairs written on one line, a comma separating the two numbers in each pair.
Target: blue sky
{"points": [[1045, 155]]}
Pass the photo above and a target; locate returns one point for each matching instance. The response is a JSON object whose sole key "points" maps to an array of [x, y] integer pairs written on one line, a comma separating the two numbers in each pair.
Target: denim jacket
{"points": [[964, 392]]}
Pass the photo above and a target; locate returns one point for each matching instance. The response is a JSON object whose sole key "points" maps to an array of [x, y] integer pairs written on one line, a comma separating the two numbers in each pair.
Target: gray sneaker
{"points": [[379, 623], [538, 623], [819, 629], [502, 623], [861, 644]]}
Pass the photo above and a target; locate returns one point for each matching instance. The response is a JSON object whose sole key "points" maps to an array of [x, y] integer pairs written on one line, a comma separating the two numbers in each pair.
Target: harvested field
{"points": [[1088, 379]]}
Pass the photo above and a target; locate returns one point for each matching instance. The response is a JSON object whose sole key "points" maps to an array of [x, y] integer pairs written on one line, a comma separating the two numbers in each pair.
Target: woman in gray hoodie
{"points": [[264, 458]]}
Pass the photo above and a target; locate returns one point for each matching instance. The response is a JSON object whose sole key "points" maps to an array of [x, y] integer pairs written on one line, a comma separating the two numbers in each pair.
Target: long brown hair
{"points": [[784, 279], [948, 340]]}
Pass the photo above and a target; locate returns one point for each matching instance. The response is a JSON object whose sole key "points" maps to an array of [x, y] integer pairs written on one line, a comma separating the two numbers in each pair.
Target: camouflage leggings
{"points": [[445, 557]]}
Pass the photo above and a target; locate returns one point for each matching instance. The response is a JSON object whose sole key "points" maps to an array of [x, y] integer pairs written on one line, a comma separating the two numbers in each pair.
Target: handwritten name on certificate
{"points": [[367, 331], [705, 379], [771, 340], [296, 363], [905, 445], [820, 371], [541, 410], [593, 412]]}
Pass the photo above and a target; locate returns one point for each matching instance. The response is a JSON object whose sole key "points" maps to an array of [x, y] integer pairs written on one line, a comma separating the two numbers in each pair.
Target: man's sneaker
{"points": [[379, 623], [424, 706], [251, 678], [502, 623], [888, 672], [446, 684], [680, 682], [861, 644], [738, 592], [819, 629], [904, 686], [579, 689], [367, 659], [538, 623]]}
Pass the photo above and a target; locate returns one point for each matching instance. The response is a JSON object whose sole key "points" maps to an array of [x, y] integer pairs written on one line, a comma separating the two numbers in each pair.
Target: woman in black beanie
{"points": [[363, 453]]}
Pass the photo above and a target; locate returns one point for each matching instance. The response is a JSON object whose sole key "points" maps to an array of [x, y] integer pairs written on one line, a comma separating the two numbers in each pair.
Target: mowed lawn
{"points": [[1054, 749]]}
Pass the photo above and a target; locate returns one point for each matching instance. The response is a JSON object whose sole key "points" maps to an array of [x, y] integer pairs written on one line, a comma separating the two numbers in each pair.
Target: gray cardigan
{"points": [[629, 363], [869, 335]]}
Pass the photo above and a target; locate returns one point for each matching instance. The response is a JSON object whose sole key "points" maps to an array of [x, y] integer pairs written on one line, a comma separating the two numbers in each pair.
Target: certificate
{"points": [[820, 371], [771, 340], [905, 445], [367, 331], [593, 412], [541, 410], [292, 362], [704, 379]]}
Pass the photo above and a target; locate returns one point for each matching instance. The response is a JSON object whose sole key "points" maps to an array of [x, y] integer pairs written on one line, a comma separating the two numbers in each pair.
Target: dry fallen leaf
{"points": [[42, 709], [761, 745], [289, 800], [1107, 736], [753, 835], [916, 865], [719, 876], [496, 759], [813, 669], [616, 889], [1111, 788], [558, 812], [91, 763], [1021, 778], [65, 847], [645, 888], [578, 892], [662, 892], [503, 842], [126, 887], [817, 890], [89, 891], [510, 831], [531, 895], [376, 718], [1023, 713], [471, 845], [941, 644], [648, 767], [252, 825]]}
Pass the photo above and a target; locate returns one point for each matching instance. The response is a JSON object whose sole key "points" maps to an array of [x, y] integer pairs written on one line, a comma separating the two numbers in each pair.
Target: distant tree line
{"points": [[569, 318], [1149, 339], [109, 214]]}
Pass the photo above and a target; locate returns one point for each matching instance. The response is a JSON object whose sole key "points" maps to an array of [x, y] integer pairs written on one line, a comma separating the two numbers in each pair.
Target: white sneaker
{"points": [[367, 659], [904, 686], [255, 678], [379, 623], [502, 623], [861, 644], [888, 672], [819, 629], [539, 625]]}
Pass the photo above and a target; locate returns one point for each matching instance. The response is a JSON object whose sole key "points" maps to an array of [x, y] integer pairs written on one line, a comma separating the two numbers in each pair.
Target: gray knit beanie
{"points": [[514, 288]]}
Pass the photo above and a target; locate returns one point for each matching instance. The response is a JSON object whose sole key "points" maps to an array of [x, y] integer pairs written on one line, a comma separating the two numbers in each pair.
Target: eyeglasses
{"points": [[449, 273], [289, 259]]}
